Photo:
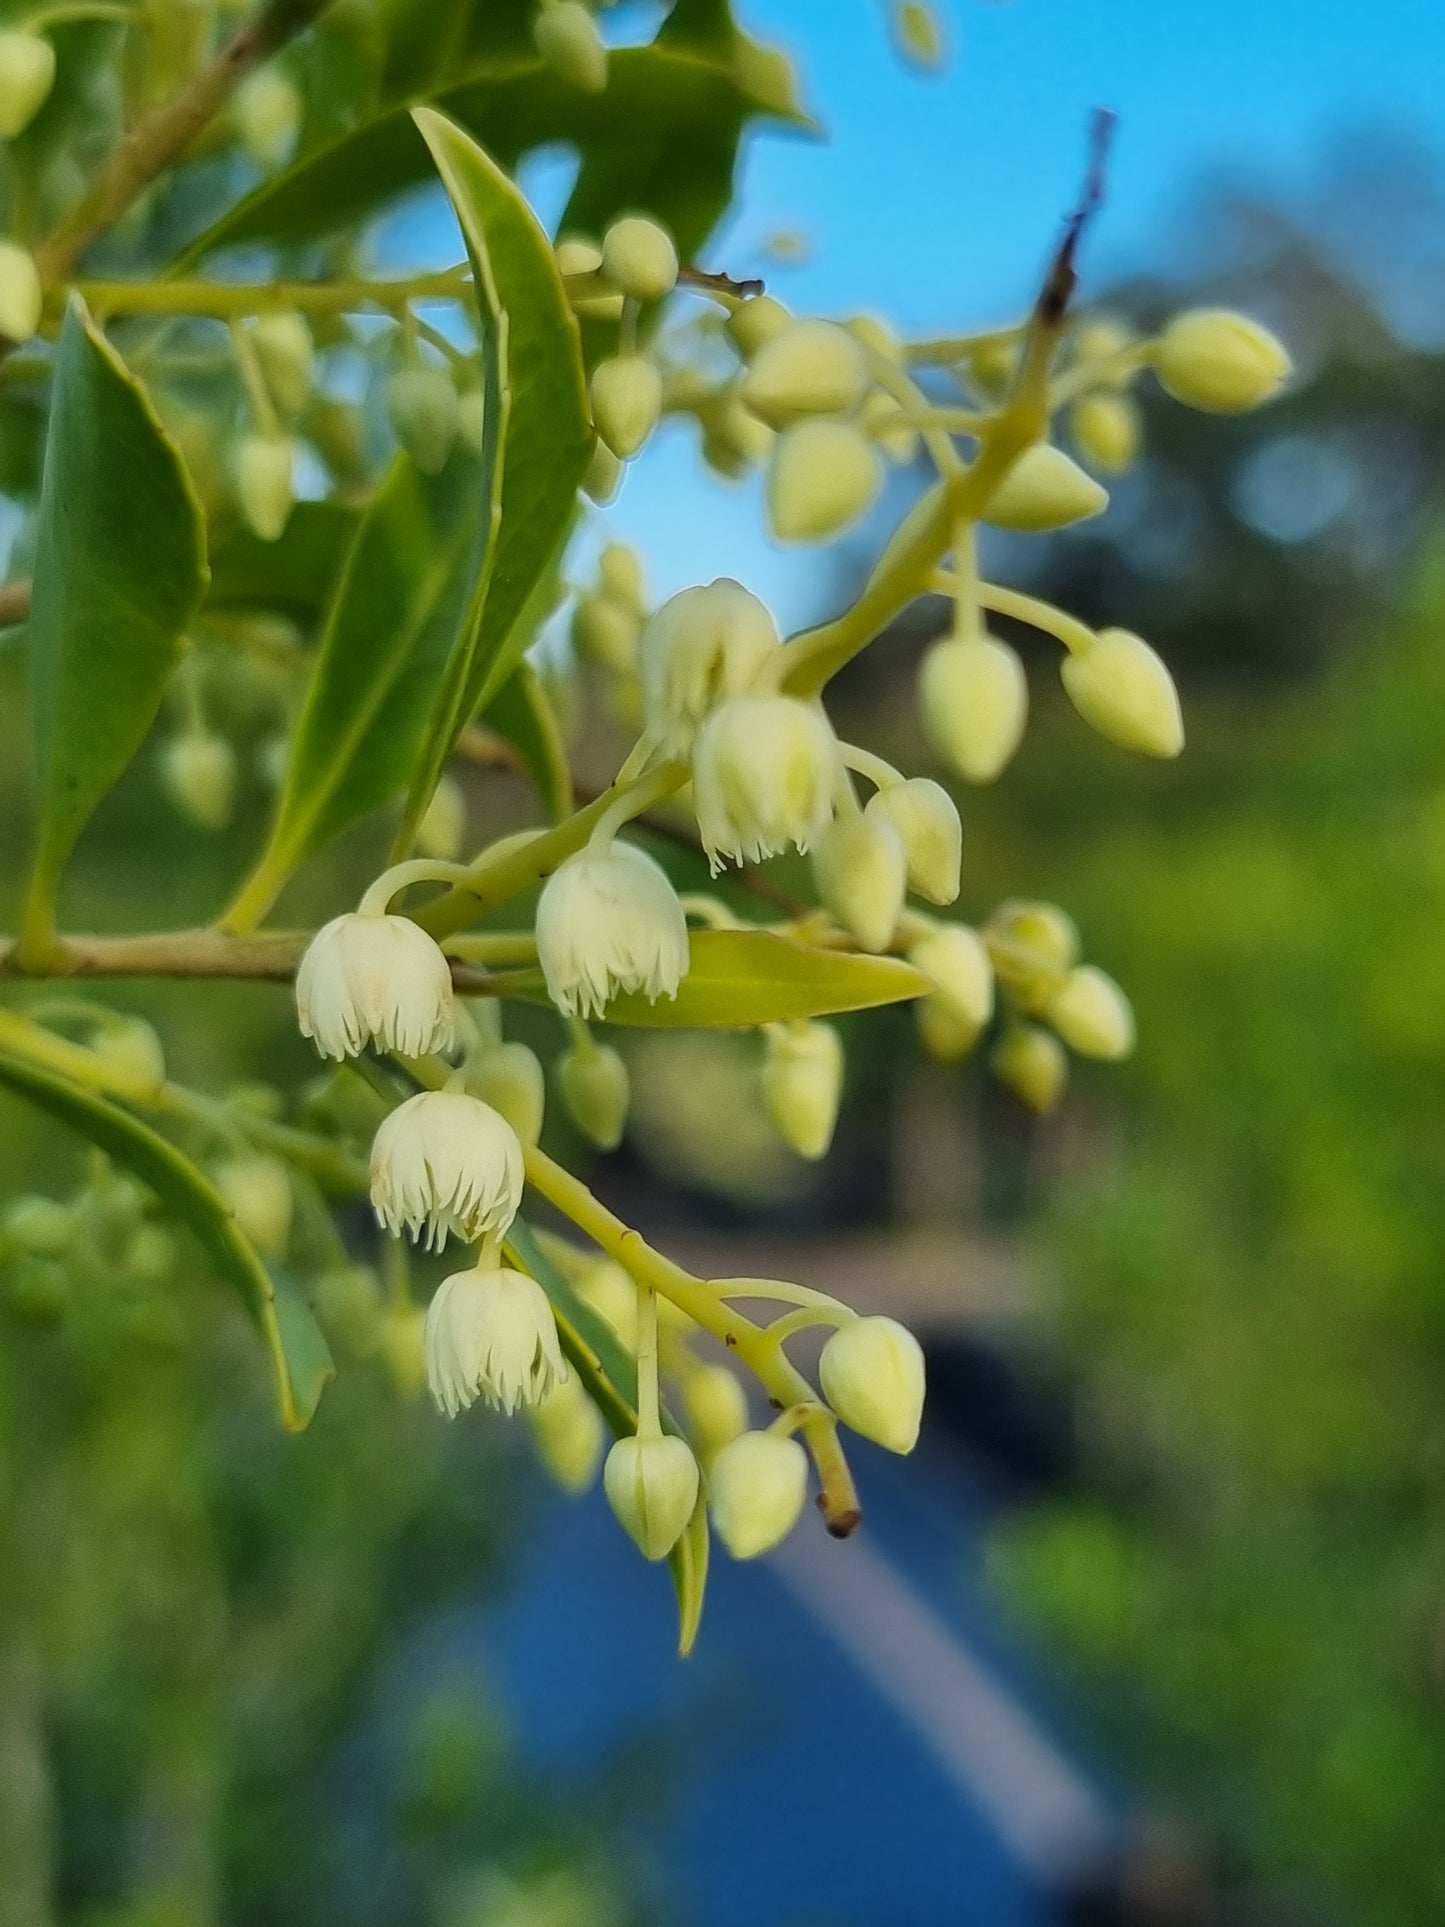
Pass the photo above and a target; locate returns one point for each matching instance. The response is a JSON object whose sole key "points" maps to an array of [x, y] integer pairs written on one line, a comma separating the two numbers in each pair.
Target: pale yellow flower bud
{"points": [[1107, 431], [27, 74], [1122, 688], [604, 474], [756, 1488], [638, 256], [131, 1047], [199, 771], [20, 295], [763, 777], [1092, 1015], [443, 827], [565, 35], [287, 356], [490, 1334], [871, 1372], [1032, 1063], [898, 440], [596, 1090], [347, 1302], [918, 33], [268, 116], [974, 700], [926, 819], [860, 871], [756, 321], [608, 919], [403, 1347], [263, 484], [258, 1191], [944, 1035], [824, 475], [811, 368], [652, 1486], [876, 335], [1033, 947], [1045, 489], [1102, 339], [619, 571], [733, 439], [716, 1407], [701, 647], [422, 407], [956, 958], [1213, 359], [803, 1085], [570, 1434], [509, 1077], [606, 631], [577, 255], [626, 402]]}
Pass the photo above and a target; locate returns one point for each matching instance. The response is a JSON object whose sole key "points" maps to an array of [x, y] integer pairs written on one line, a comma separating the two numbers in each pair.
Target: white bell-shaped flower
{"points": [[375, 980], [700, 647], [609, 920], [449, 1164], [764, 772], [490, 1334]]}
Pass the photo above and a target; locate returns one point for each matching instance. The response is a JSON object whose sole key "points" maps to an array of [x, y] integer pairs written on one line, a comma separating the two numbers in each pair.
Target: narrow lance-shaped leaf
{"points": [[522, 714], [119, 571], [300, 1361]]}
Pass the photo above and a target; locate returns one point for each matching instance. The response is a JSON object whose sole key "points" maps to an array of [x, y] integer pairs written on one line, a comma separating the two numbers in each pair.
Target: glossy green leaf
{"points": [[119, 571], [522, 714], [739, 978], [301, 1365], [296, 575]]}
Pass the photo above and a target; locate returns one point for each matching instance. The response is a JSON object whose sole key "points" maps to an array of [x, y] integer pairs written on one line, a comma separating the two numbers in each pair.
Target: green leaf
{"points": [[522, 714], [296, 575], [740, 978], [301, 1365], [119, 572]]}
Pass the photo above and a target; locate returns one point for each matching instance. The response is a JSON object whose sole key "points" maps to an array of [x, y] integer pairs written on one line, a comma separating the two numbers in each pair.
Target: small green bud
{"points": [[652, 1486], [443, 829], [41, 1227], [577, 255], [472, 419], [1093, 1015], [619, 571], [20, 295], [130, 1047], [569, 1433], [926, 819], [1032, 1064], [510, 1078], [287, 356], [756, 1488], [803, 1085], [975, 701], [626, 402], [716, 1407], [1123, 689], [596, 1090], [961, 1002], [38, 1290], [263, 484], [422, 407], [257, 1189], [565, 35], [755, 321], [918, 34], [860, 871], [638, 256], [611, 1293], [1033, 947], [347, 1301], [872, 1375], [27, 74], [824, 475], [810, 368], [199, 771], [606, 631], [1107, 430], [1045, 489], [1222, 362], [604, 474], [268, 116]]}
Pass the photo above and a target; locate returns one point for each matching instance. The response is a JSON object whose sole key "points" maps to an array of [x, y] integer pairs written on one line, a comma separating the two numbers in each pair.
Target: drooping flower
{"points": [[375, 980], [447, 1163], [490, 1334], [609, 920], [702, 646], [763, 778]]}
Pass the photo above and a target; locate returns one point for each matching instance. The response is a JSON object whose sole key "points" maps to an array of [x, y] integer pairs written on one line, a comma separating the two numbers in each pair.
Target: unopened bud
{"points": [[879, 419], [606, 631], [20, 294], [1122, 688], [569, 1433], [626, 402], [565, 35], [652, 1486], [1033, 947], [918, 34], [757, 321], [27, 74], [42, 1227], [576, 255], [1103, 339], [263, 484], [509, 1077], [403, 1347], [1045, 489], [871, 1372], [1107, 431], [604, 474], [1031, 1062], [199, 771], [258, 1190], [38, 1290], [803, 1084], [875, 335], [860, 871], [268, 116], [733, 439], [619, 571], [347, 1301], [975, 701], [130, 1047], [716, 1407], [596, 1090], [1213, 359], [443, 828], [1092, 1015], [612, 1294], [287, 356], [472, 420], [756, 1488], [811, 368], [422, 407], [638, 256], [926, 820], [824, 475]]}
